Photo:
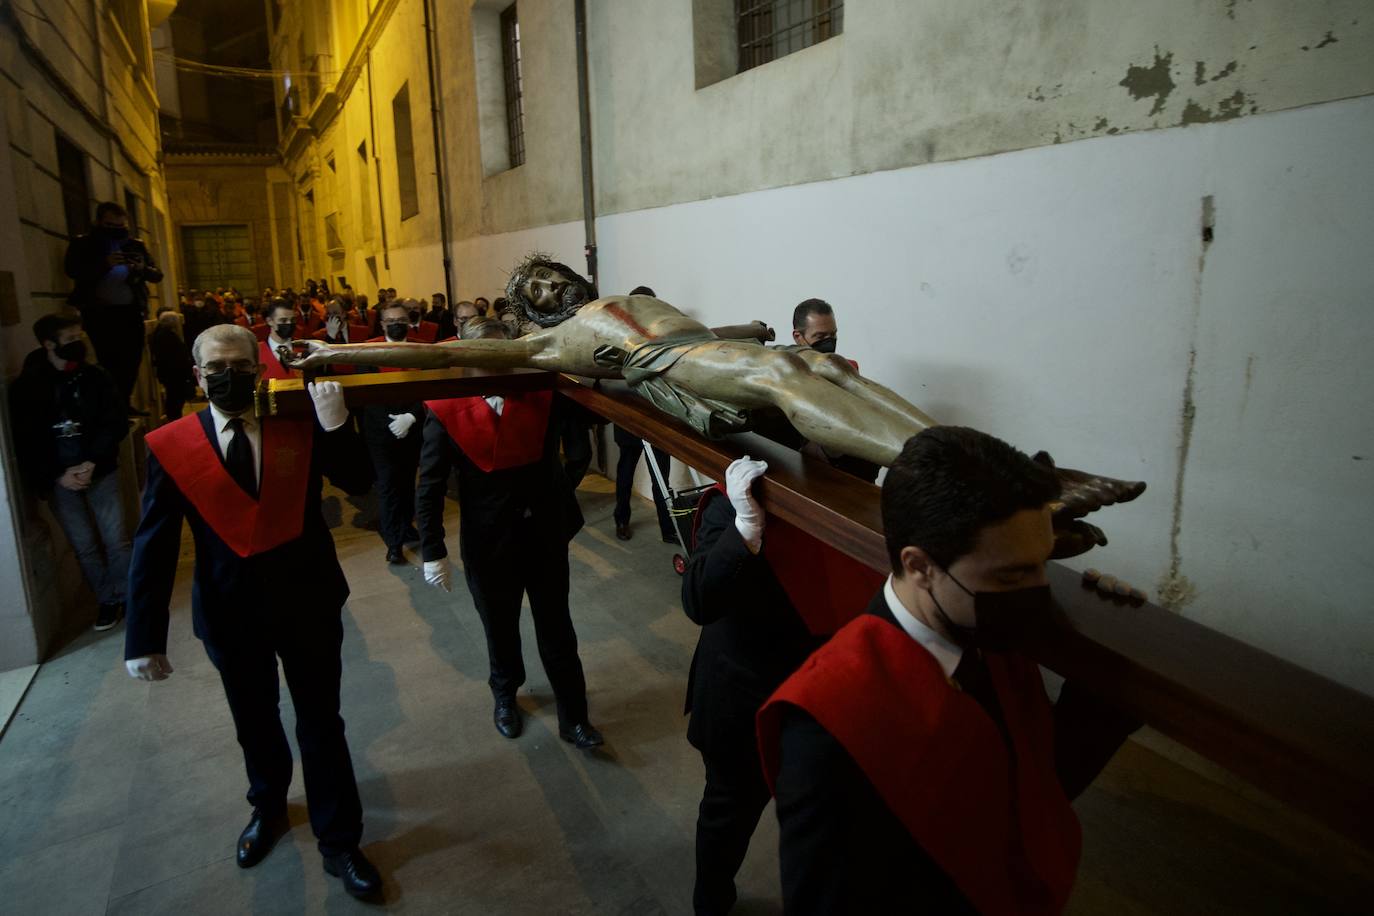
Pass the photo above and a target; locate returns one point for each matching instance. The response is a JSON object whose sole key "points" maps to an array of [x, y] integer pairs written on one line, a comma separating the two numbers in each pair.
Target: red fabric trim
{"points": [[997, 824], [427, 332], [247, 525], [513, 439], [272, 366], [260, 331], [827, 588]]}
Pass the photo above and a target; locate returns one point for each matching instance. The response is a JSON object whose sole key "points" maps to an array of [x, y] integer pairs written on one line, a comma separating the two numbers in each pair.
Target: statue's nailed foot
{"points": [[1082, 493]]}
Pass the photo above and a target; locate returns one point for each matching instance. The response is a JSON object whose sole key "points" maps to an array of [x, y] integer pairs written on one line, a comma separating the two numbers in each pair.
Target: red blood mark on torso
{"points": [[628, 321]]}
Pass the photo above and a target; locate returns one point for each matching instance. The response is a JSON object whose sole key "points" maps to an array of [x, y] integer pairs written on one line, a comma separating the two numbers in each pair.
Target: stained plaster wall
{"points": [[65, 68], [1061, 295], [911, 83], [409, 258]]}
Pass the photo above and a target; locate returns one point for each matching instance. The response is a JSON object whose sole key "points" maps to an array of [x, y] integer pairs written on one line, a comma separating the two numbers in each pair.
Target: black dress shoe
{"points": [[507, 717], [622, 532], [260, 836], [359, 876], [583, 734], [395, 556]]}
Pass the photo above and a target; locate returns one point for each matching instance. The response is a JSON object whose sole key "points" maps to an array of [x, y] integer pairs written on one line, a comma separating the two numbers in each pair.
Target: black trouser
{"points": [[118, 335], [497, 585], [396, 462], [575, 435], [731, 805], [173, 397], [310, 660], [631, 449]]}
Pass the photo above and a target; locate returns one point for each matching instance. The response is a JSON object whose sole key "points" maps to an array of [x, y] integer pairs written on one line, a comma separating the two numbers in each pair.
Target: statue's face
{"points": [[549, 290]]}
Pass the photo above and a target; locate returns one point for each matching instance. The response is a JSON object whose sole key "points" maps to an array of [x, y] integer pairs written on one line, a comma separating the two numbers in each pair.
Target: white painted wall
{"points": [[1053, 296]]}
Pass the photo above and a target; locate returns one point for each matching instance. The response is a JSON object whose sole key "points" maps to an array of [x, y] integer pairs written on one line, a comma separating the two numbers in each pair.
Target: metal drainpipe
{"points": [[430, 40], [584, 109], [381, 203]]}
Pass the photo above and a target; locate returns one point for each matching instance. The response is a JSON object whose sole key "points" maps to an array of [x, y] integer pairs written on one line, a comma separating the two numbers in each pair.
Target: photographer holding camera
{"points": [[112, 272]]}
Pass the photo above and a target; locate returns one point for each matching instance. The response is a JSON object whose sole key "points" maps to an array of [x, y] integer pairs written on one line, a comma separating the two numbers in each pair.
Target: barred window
{"points": [[769, 29], [515, 100]]}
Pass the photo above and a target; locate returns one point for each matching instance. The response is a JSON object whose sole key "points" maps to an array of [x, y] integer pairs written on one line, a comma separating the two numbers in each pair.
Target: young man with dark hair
{"points": [[916, 761], [68, 419], [112, 271], [392, 433], [813, 325], [282, 322]]}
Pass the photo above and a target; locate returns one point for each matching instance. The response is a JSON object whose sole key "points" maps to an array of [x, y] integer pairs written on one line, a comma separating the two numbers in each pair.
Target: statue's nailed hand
{"points": [[309, 354]]}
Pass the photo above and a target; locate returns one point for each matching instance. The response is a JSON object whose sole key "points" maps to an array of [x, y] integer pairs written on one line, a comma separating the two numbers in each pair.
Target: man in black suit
{"points": [[752, 638], [392, 433], [917, 763], [250, 489], [518, 515]]}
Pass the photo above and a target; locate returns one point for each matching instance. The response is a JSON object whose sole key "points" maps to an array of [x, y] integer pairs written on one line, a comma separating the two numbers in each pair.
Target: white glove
{"points": [[153, 667], [329, 404], [739, 476], [439, 574], [333, 326], [400, 424]]}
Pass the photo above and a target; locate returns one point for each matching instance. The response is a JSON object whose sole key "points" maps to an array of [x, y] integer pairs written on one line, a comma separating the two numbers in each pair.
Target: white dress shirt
{"points": [[251, 427], [945, 652]]}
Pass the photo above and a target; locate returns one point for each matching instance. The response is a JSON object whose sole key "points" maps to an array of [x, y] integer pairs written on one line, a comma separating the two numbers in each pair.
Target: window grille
{"points": [[515, 89], [769, 29]]}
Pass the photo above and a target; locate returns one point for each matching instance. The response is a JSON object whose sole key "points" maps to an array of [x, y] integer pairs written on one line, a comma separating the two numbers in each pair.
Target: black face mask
{"points": [[231, 390], [285, 329], [73, 351], [414, 317], [1006, 621], [396, 332], [824, 345]]}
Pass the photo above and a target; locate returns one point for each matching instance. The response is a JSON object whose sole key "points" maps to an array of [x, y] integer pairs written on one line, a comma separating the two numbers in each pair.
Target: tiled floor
{"points": [[122, 797]]}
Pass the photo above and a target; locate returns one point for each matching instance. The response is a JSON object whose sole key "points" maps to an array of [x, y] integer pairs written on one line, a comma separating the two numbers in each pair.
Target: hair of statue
{"points": [[49, 326], [224, 333], [516, 294], [806, 308], [643, 291], [951, 482]]}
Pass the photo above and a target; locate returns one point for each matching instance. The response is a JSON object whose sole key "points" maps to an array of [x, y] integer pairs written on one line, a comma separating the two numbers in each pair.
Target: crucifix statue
{"points": [[690, 371]]}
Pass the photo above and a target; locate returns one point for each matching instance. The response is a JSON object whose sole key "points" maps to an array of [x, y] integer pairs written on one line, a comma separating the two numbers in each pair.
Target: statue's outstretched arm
{"points": [[754, 330], [478, 354]]}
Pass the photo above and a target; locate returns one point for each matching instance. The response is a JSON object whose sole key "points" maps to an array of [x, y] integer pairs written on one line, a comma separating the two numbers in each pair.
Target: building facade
{"points": [[80, 125]]}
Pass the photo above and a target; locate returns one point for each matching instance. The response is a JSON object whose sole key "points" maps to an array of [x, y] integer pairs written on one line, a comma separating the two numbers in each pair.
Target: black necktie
{"points": [[238, 459], [975, 679]]}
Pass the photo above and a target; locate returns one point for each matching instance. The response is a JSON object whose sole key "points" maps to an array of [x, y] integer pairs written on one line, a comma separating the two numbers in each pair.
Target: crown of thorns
{"points": [[515, 291]]}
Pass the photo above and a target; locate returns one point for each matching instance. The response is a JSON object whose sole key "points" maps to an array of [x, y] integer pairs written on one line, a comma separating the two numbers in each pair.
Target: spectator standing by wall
{"points": [[68, 420], [112, 272]]}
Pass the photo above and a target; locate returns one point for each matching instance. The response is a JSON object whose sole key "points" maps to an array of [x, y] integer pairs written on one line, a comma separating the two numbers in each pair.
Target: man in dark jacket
{"points": [[172, 361], [752, 638], [68, 423], [250, 488], [112, 272], [518, 515]]}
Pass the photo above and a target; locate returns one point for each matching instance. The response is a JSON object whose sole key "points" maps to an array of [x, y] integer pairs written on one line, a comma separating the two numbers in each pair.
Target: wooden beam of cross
{"points": [[1297, 735]]}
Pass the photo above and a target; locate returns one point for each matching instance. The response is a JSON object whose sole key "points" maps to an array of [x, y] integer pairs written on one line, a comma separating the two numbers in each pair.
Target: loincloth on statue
{"points": [[644, 368]]}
